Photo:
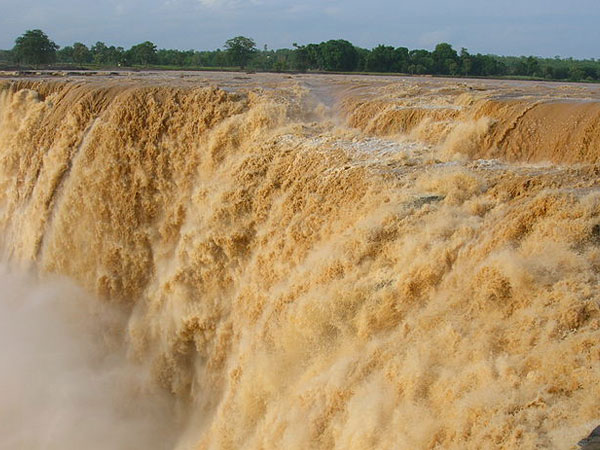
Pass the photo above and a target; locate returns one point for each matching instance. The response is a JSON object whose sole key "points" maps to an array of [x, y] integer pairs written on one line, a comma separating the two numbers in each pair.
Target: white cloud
{"points": [[216, 3], [229, 4]]}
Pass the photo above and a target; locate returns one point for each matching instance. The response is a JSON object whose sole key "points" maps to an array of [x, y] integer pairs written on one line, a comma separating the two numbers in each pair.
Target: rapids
{"points": [[306, 261]]}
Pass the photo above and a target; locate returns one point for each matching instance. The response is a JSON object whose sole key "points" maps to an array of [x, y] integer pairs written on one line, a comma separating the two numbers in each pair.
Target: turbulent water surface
{"points": [[225, 261]]}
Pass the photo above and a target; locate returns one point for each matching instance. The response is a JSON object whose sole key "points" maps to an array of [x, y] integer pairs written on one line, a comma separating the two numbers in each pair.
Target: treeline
{"points": [[334, 55], [340, 55], [144, 54]]}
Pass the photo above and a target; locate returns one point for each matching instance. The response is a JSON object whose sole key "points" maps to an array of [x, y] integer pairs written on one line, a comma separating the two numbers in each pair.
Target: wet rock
{"points": [[592, 442]]}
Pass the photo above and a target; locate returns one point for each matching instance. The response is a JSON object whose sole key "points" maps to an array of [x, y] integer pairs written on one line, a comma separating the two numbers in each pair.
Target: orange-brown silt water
{"points": [[223, 262]]}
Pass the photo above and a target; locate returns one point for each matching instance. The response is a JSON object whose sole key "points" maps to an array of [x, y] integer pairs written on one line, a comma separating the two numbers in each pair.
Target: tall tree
{"points": [[99, 50], [65, 54], [101, 54], [301, 57], [381, 59], [34, 47], [402, 59], [144, 53], [81, 54], [445, 59], [240, 49], [421, 62], [339, 55]]}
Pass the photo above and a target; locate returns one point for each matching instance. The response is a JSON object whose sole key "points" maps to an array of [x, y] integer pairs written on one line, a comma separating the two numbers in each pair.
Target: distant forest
{"points": [[35, 49]]}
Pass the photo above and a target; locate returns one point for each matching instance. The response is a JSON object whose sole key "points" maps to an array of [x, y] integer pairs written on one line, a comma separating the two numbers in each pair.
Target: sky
{"points": [[505, 27]]}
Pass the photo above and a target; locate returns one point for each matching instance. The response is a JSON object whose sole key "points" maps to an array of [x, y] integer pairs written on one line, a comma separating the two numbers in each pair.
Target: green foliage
{"points": [[240, 50], [420, 62], [381, 59], [401, 60], [81, 54], [166, 57], [100, 53], [6, 56], [219, 59], [280, 65], [363, 56], [338, 55], [34, 47], [313, 52], [301, 58], [445, 59], [143, 54], [78, 53], [65, 54], [104, 55]]}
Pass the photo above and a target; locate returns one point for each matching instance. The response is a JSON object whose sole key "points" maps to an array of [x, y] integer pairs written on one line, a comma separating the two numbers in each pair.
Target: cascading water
{"points": [[273, 273]]}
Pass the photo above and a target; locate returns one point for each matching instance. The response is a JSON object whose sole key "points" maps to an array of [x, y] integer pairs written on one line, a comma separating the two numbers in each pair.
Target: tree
{"points": [[34, 47], [219, 58], [6, 56], [65, 54], [402, 59], [144, 53], [466, 62], [420, 61], [240, 49], [576, 73], [381, 59], [533, 67], [99, 52], [166, 57], [81, 54], [445, 59], [339, 55], [301, 58]]}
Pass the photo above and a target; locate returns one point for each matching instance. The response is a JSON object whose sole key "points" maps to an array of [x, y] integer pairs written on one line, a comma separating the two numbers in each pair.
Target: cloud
{"points": [[217, 3], [229, 4], [568, 29], [333, 11]]}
